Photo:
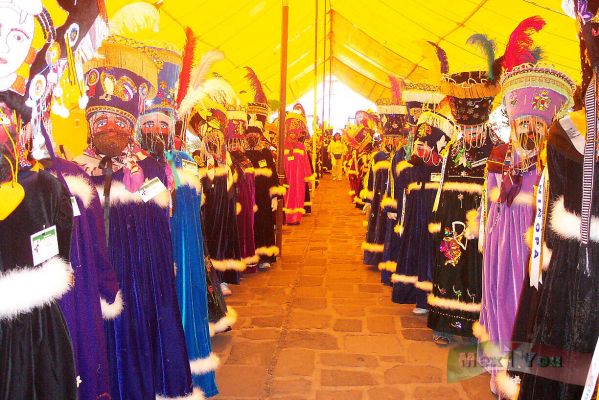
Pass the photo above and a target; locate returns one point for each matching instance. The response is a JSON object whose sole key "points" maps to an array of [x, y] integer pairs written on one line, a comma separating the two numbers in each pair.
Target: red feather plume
{"points": [[397, 86], [519, 49], [259, 95], [187, 65]]}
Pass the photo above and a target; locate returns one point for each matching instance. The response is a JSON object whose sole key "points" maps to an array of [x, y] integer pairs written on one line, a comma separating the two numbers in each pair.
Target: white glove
{"points": [[274, 202], [392, 216], [366, 208]]}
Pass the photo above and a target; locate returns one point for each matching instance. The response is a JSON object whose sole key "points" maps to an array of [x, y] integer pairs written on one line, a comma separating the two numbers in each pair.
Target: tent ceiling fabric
{"points": [[365, 41]]}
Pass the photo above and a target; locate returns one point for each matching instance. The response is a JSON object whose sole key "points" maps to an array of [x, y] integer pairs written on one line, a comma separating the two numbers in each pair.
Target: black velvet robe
{"points": [[36, 357]]}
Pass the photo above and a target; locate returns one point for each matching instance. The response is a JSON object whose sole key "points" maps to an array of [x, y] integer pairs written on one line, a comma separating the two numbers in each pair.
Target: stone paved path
{"points": [[320, 326]]}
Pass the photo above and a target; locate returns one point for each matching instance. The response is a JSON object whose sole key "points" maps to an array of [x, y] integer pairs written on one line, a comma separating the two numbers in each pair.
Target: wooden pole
{"points": [[314, 118], [283, 98]]}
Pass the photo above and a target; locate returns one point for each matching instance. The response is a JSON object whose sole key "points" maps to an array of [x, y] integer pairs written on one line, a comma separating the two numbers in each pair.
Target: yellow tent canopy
{"points": [[366, 41]]}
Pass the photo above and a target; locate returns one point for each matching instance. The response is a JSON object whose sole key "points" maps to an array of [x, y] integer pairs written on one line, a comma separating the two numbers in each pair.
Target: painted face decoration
{"points": [[110, 133], [528, 133], [156, 129], [16, 36]]}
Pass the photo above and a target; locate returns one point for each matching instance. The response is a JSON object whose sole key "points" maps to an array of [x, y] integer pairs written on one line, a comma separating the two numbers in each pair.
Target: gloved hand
{"points": [[274, 203], [366, 208], [392, 216]]}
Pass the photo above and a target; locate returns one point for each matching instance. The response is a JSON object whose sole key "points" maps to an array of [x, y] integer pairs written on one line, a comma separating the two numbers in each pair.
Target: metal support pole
{"points": [[314, 119], [283, 98]]}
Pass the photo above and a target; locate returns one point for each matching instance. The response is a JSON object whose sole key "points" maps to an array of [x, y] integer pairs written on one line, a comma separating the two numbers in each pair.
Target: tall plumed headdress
{"points": [[258, 109]]}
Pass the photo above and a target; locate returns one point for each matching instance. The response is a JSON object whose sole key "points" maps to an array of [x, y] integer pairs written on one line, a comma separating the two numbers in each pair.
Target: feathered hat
{"points": [[122, 78], [295, 121], [258, 109], [419, 96], [392, 112], [471, 93], [531, 89]]}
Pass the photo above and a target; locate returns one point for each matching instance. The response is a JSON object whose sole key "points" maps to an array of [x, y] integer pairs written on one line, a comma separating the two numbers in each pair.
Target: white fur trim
{"points": [[508, 387], [299, 151], [111, 311], [401, 166], [252, 260], [267, 172], [310, 178], [567, 224], [189, 179], [277, 191], [452, 304], [120, 195], [202, 366], [268, 251], [294, 211], [366, 194], [528, 235], [389, 202], [408, 279], [351, 193], [546, 257], [462, 187], [197, 394], [23, 289], [522, 198], [480, 332], [373, 247], [426, 186], [380, 166], [203, 198], [390, 266], [434, 227], [472, 224], [425, 286], [398, 229], [229, 264], [81, 188], [238, 208], [218, 171], [224, 323]]}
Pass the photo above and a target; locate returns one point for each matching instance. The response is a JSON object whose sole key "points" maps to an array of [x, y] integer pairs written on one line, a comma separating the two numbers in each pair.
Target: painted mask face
{"points": [[156, 132], [110, 133], [16, 37], [253, 139], [215, 143], [529, 132]]}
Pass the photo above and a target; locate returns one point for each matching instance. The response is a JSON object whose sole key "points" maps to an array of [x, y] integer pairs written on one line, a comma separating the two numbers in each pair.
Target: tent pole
{"points": [[282, 106], [330, 56], [314, 118], [324, 62]]}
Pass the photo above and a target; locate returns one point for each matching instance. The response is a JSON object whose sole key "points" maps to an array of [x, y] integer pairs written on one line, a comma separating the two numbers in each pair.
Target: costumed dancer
{"points": [[393, 115], [297, 165], [533, 96], [557, 313], [360, 141], [454, 303], [418, 181], [147, 351], [375, 188], [244, 183], [95, 294], [36, 357], [157, 126], [265, 172]]}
